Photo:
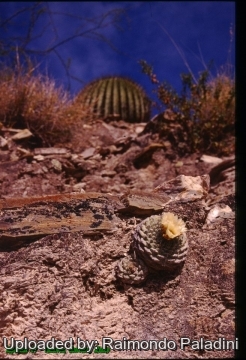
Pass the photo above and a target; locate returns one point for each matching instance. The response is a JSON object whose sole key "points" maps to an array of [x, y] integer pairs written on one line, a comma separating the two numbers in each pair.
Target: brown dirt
{"points": [[64, 285]]}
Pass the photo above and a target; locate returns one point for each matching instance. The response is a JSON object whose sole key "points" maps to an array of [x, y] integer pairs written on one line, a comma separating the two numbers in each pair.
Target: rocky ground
{"points": [[64, 285]]}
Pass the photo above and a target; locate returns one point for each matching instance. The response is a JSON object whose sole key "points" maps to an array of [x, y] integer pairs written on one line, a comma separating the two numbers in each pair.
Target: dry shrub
{"points": [[217, 111], [220, 99], [34, 102], [203, 114]]}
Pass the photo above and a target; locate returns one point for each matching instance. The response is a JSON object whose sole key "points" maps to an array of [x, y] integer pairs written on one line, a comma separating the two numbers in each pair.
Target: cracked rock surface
{"points": [[64, 284]]}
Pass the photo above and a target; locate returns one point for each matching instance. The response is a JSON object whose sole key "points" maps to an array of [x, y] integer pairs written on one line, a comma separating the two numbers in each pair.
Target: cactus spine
{"points": [[115, 97]]}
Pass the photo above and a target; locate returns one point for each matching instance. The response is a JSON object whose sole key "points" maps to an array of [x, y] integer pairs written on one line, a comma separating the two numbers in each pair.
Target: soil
{"points": [[64, 285]]}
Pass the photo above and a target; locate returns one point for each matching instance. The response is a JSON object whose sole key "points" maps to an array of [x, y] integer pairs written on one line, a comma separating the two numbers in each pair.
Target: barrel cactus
{"points": [[116, 98], [161, 242]]}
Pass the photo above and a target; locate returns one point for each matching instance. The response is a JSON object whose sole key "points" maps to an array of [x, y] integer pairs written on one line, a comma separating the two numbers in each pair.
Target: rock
{"points": [[38, 217], [222, 171], [50, 151], [79, 187], [109, 173], [179, 163], [4, 156], [70, 284], [185, 188], [56, 165], [211, 159], [219, 211], [222, 180], [25, 153], [140, 128], [14, 156], [140, 203], [3, 142], [144, 156], [88, 153], [39, 157], [22, 134]]}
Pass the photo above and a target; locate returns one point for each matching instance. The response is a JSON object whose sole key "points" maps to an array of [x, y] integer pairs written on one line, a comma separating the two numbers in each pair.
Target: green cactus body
{"points": [[131, 270], [156, 251], [115, 97]]}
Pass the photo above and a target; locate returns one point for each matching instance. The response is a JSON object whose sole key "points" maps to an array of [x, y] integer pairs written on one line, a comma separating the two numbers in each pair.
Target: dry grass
{"points": [[34, 102]]}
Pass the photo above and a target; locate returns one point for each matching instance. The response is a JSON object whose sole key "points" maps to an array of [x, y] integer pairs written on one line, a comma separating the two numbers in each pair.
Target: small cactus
{"points": [[131, 270], [116, 98], [160, 240]]}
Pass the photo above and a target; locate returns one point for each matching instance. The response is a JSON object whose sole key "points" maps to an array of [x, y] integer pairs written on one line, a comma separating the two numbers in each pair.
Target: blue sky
{"points": [[201, 30]]}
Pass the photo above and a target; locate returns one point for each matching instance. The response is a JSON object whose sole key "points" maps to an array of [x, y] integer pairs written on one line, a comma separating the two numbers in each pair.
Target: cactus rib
{"points": [[117, 98]]}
